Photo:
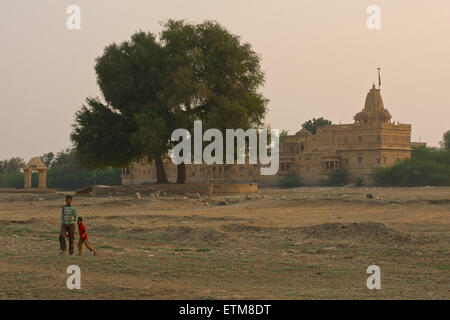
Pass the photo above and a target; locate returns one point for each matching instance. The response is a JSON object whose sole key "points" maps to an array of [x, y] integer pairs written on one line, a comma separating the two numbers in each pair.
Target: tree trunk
{"points": [[181, 173], [161, 176]]}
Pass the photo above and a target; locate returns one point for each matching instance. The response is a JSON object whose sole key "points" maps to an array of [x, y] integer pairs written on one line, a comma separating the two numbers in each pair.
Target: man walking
{"points": [[68, 220]]}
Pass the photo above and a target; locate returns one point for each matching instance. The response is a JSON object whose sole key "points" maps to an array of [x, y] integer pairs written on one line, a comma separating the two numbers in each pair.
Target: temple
{"points": [[372, 140]]}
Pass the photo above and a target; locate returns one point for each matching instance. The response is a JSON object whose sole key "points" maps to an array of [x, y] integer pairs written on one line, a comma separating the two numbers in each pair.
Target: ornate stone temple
{"points": [[373, 140], [35, 165]]}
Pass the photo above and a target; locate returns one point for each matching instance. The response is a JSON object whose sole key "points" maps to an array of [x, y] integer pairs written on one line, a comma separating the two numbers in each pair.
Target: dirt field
{"points": [[304, 243]]}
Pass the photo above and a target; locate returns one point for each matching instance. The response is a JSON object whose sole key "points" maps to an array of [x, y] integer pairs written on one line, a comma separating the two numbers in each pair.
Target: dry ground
{"points": [[304, 243]]}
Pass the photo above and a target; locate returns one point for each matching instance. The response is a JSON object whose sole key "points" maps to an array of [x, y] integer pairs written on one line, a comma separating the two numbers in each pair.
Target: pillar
{"points": [[27, 178], [42, 179]]}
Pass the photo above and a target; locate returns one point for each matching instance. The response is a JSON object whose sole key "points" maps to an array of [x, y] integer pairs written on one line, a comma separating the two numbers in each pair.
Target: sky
{"points": [[319, 57]]}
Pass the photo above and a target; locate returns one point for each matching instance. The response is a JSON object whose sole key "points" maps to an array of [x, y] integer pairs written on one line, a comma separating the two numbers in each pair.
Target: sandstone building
{"points": [[373, 140]]}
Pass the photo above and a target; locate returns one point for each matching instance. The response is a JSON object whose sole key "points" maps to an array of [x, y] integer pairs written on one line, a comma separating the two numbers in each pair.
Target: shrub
{"points": [[427, 166], [359, 181], [71, 180], [290, 181], [338, 177], [11, 180]]}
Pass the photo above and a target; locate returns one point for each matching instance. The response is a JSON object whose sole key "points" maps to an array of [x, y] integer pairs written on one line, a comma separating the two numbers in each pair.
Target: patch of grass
{"points": [[442, 267], [181, 249], [22, 229], [203, 250], [5, 232], [109, 247], [394, 252]]}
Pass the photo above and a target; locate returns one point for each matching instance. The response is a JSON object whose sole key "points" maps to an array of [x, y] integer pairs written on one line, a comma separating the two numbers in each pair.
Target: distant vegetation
{"points": [[290, 181], [359, 181], [445, 143], [312, 125], [64, 173], [427, 166], [336, 178]]}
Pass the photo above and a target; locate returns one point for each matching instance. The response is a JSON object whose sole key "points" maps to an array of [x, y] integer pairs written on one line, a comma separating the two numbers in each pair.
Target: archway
{"points": [[35, 164]]}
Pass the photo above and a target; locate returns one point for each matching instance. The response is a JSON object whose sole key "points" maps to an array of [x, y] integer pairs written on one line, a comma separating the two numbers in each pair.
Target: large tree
{"points": [[152, 86]]}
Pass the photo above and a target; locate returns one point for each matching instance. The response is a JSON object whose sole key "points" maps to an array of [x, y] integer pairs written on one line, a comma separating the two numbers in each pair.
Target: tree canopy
{"points": [[312, 125], [12, 165], [446, 140]]}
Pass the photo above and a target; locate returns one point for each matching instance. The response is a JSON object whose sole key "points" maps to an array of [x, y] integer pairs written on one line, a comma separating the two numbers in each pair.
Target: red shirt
{"points": [[82, 231]]}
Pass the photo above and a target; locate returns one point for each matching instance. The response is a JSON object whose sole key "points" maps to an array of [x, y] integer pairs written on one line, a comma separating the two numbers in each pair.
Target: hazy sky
{"points": [[319, 57]]}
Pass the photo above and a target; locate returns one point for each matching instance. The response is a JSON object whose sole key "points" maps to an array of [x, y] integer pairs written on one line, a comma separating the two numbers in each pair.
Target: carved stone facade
{"points": [[371, 141]]}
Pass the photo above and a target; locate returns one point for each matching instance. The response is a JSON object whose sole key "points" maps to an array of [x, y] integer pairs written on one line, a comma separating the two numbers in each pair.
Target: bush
{"points": [[81, 178], [11, 180], [290, 181], [337, 178], [359, 181], [427, 166]]}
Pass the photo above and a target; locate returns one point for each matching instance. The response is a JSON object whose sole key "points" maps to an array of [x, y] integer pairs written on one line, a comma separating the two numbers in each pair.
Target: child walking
{"points": [[83, 238], [68, 219]]}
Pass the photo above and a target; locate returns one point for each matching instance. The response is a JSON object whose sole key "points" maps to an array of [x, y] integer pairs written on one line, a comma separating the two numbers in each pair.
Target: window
{"points": [[302, 147], [378, 161], [359, 160], [359, 139]]}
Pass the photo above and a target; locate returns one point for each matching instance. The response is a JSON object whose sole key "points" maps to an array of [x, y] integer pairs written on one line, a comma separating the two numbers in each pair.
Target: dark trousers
{"points": [[69, 231]]}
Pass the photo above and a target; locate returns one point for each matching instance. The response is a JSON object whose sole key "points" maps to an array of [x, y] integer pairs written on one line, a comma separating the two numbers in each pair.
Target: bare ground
{"points": [[303, 243]]}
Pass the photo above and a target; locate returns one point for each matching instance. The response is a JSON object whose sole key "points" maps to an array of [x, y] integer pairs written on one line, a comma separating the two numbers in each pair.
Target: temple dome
{"points": [[374, 101], [35, 163], [374, 110]]}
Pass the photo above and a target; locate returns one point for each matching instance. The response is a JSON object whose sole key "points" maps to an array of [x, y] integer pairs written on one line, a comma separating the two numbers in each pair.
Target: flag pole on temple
{"points": [[379, 78]]}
